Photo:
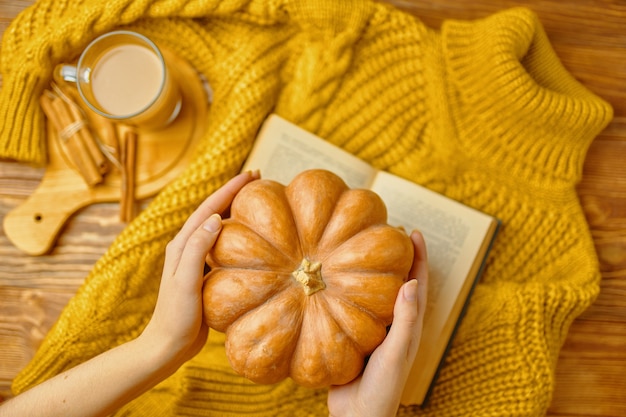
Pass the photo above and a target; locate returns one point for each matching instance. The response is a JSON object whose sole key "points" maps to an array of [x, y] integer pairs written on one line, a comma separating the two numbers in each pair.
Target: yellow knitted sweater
{"points": [[481, 111]]}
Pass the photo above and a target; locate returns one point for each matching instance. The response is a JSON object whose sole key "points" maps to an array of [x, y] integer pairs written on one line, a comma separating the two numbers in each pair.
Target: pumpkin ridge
{"points": [[334, 320], [287, 257], [296, 331], [367, 218], [334, 262], [356, 270], [243, 241], [341, 325], [321, 304], [326, 184], [339, 247], [284, 286], [263, 207], [326, 352], [338, 291], [219, 318], [351, 303], [263, 268]]}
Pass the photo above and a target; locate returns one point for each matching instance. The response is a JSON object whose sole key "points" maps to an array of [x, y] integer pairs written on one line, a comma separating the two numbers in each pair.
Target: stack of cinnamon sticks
{"points": [[75, 138], [90, 155]]}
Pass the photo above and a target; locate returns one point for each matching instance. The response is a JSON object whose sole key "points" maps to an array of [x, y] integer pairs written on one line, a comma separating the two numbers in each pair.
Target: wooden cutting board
{"points": [[161, 155]]}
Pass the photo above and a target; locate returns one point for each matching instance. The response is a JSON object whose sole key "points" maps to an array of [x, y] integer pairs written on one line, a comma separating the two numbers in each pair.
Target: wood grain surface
{"points": [[590, 38]]}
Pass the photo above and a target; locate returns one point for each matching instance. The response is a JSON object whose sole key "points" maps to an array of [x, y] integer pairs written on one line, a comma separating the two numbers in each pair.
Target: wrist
{"points": [[157, 355]]}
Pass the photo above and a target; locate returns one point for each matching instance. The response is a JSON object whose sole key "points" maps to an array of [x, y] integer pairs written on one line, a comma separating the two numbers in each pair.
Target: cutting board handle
{"points": [[35, 225]]}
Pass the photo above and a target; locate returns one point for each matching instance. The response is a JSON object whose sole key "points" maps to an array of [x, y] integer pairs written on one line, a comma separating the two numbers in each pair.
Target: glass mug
{"points": [[123, 76]]}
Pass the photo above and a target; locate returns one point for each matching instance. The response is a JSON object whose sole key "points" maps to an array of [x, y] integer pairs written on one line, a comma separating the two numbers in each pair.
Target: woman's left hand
{"points": [[177, 323], [377, 392]]}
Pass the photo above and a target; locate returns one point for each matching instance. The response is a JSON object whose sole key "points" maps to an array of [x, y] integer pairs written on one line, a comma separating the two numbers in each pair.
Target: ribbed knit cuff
{"points": [[22, 129]]}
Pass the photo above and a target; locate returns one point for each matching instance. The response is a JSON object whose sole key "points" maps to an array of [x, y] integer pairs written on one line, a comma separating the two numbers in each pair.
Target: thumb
{"points": [[193, 256], [406, 330], [393, 359], [405, 333]]}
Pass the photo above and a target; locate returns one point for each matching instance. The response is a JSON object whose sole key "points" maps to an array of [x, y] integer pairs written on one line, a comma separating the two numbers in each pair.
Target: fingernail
{"points": [[213, 223], [256, 174], [410, 291]]}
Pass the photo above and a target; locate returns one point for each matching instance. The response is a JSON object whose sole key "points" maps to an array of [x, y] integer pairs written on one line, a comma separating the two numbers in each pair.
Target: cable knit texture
{"points": [[482, 111]]}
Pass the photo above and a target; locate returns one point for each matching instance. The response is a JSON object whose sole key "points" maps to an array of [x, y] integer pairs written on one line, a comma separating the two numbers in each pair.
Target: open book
{"points": [[458, 238]]}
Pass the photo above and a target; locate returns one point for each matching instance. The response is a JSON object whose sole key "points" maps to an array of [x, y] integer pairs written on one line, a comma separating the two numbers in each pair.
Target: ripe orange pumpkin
{"points": [[304, 278]]}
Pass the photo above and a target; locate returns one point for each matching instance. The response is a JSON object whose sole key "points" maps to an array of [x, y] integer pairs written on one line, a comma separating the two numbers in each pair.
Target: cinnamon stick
{"points": [[108, 136], [46, 104], [129, 160], [85, 136]]}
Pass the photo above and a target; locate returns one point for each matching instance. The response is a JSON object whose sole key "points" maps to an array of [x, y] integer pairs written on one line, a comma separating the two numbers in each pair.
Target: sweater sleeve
{"points": [[536, 121]]}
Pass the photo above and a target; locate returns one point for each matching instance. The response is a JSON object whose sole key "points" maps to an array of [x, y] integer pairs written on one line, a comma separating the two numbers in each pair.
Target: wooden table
{"points": [[590, 38]]}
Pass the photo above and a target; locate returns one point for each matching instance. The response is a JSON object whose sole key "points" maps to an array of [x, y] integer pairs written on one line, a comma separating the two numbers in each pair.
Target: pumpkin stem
{"points": [[309, 274]]}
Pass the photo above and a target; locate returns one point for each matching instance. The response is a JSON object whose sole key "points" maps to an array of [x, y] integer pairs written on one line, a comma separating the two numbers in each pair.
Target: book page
{"points": [[455, 235], [283, 150], [453, 231]]}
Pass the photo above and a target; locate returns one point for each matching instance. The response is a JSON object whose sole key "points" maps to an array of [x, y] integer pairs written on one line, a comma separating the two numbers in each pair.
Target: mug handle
{"points": [[66, 73]]}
